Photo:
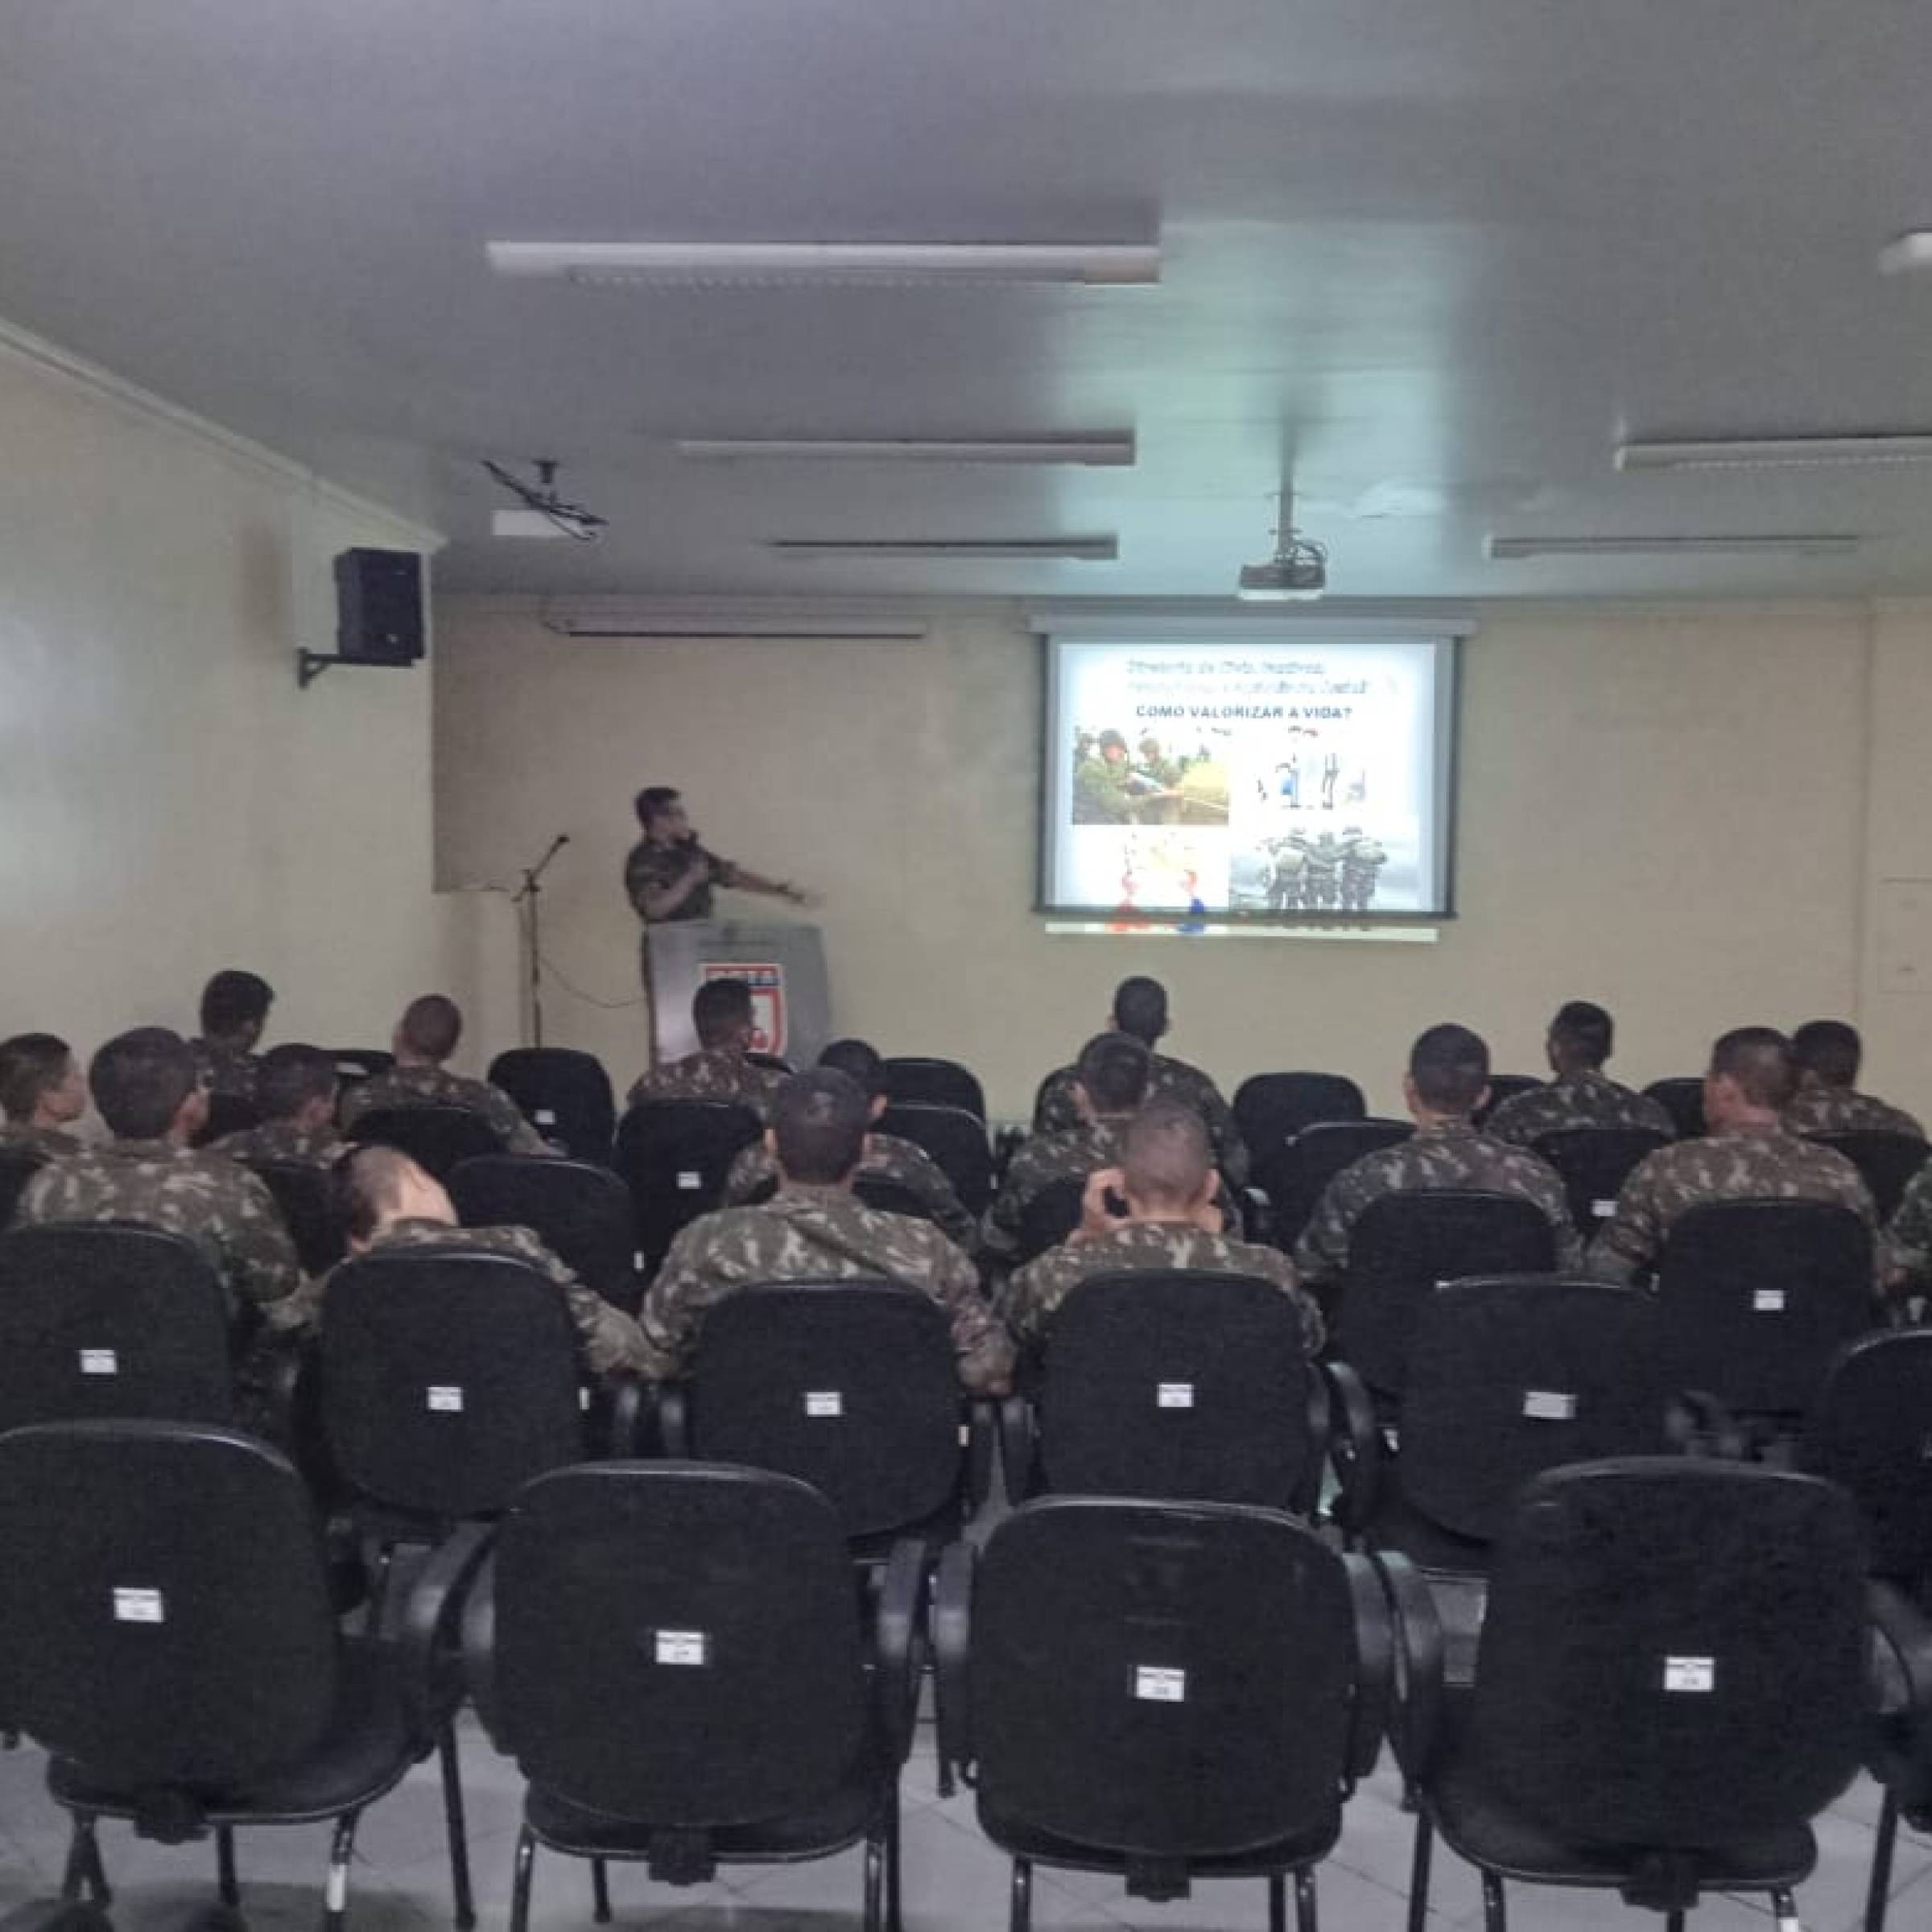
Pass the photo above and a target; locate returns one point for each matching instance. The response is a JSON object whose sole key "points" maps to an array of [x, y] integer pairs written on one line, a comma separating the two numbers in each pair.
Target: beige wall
{"points": [[1661, 809], [171, 804]]}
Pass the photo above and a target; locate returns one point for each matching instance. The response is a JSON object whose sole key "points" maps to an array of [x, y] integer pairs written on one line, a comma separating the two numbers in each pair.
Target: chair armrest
{"points": [[897, 1640], [1901, 1626], [672, 1409], [480, 1649], [1418, 1657], [1258, 1211], [951, 1639], [426, 1639], [1018, 1435], [1355, 1450], [981, 1429], [1374, 1666]]}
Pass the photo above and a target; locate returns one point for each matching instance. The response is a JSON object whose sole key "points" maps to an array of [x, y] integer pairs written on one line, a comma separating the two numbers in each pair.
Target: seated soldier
{"points": [[755, 1173], [1448, 1079], [234, 1009], [1166, 1181], [721, 1012], [813, 1229], [43, 1093], [1140, 1010], [425, 1037], [1827, 1054], [295, 1090], [1582, 1094], [387, 1202], [144, 1089], [1748, 1155]]}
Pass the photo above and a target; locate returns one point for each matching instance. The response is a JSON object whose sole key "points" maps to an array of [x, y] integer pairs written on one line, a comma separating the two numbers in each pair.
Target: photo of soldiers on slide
{"points": [[1320, 873], [1113, 786]]}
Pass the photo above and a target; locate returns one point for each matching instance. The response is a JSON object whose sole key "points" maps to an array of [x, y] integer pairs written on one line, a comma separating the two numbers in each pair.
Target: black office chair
{"points": [[17, 1167], [357, 1064], [918, 1080], [301, 1190], [1669, 1685], [438, 1139], [1887, 1160], [673, 1653], [1681, 1098], [1170, 1691], [227, 1113], [956, 1139], [884, 1195], [674, 1156], [584, 1214], [1505, 1087], [1294, 1174], [565, 1095], [168, 1634], [1405, 1246], [1051, 1215], [1593, 1162], [1271, 1108]]}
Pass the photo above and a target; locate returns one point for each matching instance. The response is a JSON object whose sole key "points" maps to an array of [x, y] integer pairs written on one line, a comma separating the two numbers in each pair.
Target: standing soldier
{"points": [[1285, 893], [1362, 860], [1319, 873]]}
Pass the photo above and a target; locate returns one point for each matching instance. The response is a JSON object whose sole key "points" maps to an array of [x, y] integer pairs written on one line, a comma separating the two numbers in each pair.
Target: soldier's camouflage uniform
{"points": [[1740, 1164], [754, 1172], [223, 1069], [1057, 1111], [1588, 1099], [1040, 1160], [712, 1073], [1038, 1289], [1437, 1155], [1100, 793], [819, 1233], [283, 1141], [436, 1086], [223, 1209], [1844, 1110], [654, 867], [49, 1143], [1908, 1235]]}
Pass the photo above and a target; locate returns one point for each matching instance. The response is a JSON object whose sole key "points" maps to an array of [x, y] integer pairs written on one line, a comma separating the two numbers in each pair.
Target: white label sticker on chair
{"points": [[1158, 1686], [445, 1399], [682, 1646], [1767, 1301], [139, 1606], [1549, 1406], [824, 1401], [546, 1116], [1173, 1395], [1603, 1210], [1690, 1673], [689, 1180], [100, 1361]]}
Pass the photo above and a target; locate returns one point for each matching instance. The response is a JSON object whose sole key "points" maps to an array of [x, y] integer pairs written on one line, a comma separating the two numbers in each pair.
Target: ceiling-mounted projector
{"points": [[1298, 570], [544, 513]]}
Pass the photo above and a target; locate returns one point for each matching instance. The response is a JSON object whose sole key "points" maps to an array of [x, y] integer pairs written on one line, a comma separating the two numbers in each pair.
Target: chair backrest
{"points": [[774, 1063], [164, 1611], [674, 1156], [678, 1643], [1870, 1431], [1404, 1245], [918, 1079], [1294, 1174], [301, 1190], [1051, 1215], [1166, 1681], [436, 1138], [102, 1318], [17, 1167], [1673, 1654], [1887, 1160], [1504, 1087], [1516, 1374], [1593, 1162], [1270, 1109], [584, 1214], [956, 1139], [227, 1113], [1179, 1384], [447, 1379], [848, 1385], [1683, 1098], [885, 1195], [565, 1095], [1755, 1298], [354, 1063]]}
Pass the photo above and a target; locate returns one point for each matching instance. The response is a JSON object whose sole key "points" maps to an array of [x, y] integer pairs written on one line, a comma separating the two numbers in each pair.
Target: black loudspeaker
{"points": [[379, 606]]}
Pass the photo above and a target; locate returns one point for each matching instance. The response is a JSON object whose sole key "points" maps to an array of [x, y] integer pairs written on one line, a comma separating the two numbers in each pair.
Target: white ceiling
{"points": [[1443, 254]]}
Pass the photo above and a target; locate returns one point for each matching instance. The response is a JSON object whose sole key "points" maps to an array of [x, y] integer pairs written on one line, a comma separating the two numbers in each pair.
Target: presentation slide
{"points": [[1254, 778]]}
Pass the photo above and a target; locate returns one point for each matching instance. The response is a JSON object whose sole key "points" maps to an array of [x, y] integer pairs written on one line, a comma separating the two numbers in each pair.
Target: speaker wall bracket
{"points": [[311, 664]]}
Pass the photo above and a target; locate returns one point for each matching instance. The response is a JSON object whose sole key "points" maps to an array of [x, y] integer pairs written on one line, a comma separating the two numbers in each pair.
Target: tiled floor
{"points": [[954, 1879]]}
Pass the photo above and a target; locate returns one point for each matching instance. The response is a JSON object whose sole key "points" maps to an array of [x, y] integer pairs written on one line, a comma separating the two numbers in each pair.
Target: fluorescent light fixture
{"points": [[1102, 450], [1503, 549], [706, 263], [1079, 550], [1776, 452], [1911, 251]]}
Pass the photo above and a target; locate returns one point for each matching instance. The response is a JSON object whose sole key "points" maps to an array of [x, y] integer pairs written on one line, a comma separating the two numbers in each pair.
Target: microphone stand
{"points": [[529, 897]]}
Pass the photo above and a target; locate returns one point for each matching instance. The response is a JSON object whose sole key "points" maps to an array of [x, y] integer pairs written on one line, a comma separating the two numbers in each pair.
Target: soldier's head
{"points": [[1751, 1078], [1580, 1038], [144, 1087], [1167, 1164], [865, 1066], [373, 1187], [1150, 746], [1826, 1053], [1448, 1075], [1110, 1077], [721, 1013], [297, 1082], [1140, 1008], [660, 809], [428, 1032], [41, 1082], [818, 1128], [1113, 748], [234, 1008]]}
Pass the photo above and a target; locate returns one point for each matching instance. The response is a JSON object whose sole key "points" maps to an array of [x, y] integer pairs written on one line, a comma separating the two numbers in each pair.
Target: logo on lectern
{"points": [[766, 980]]}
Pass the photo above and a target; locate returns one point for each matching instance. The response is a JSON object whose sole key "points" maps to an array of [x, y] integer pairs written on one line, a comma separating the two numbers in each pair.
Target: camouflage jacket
{"points": [[436, 1086], [283, 1141], [754, 1176], [712, 1073], [1437, 1155], [1843, 1110], [223, 1069], [1908, 1235], [652, 867], [49, 1143], [610, 1338], [1040, 1288], [1057, 1111], [1040, 1160], [1589, 1099], [222, 1208], [1100, 793], [1764, 1164], [816, 1233]]}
